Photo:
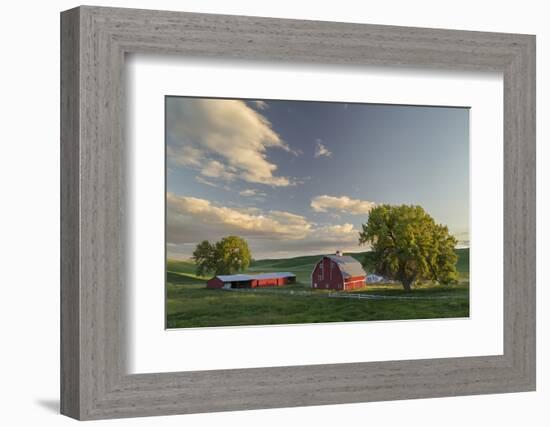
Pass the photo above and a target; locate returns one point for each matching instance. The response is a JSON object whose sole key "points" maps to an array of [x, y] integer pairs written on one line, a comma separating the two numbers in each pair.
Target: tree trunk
{"points": [[406, 279]]}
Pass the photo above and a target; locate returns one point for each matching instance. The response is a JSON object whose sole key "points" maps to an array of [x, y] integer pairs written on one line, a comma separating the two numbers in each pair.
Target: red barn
{"points": [[251, 281], [338, 272]]}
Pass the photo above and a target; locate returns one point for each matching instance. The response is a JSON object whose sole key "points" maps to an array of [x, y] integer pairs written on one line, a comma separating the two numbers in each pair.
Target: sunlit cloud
{"points": [[224, 139], [200, 179], [463, 238], [185, 156], [342, 204], [192, 219], [339, 232], [215, 169], [251, 193], [262, 105], [321, 150]]}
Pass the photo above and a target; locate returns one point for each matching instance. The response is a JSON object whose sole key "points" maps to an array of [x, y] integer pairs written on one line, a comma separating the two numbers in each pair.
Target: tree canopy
{"points": [[407, 245], [227, 256], [204, 257]]}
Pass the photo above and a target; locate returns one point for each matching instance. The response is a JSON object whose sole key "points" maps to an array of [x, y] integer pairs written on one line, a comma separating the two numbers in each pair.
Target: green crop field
{"points": [[190, 304]]}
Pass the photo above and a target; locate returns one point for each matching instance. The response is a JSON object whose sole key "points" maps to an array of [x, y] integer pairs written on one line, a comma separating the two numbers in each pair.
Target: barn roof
{"points": [[235, 278], [273, 275], [248, 277], [348, 265]]}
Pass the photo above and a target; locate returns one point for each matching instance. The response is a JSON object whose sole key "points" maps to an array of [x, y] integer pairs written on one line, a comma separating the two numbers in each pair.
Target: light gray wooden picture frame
{"points": [[94, 382]]}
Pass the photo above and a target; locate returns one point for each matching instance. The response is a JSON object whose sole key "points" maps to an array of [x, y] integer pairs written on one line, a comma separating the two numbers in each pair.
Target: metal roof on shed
{"points": [[348, 265], [235, 278], [273, 275], [248, 277]]}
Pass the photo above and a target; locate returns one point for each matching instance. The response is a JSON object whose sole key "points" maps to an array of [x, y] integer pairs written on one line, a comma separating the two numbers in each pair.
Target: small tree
{"points": [[407, 245], [228, 256], [204, 258]]}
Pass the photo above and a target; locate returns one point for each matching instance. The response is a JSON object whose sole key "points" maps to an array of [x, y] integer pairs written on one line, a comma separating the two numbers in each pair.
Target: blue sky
{"points": [[296, 177]]}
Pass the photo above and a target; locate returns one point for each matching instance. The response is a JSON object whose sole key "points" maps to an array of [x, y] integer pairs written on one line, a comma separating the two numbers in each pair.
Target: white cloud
{"points": [[215, 169], [343, 204], [186, 156], [463, 238], [339, 233], [248, 193], [262, 105], [321, 150], [223, 139], [200, 179], [251, 193], [191, 219], [326, 239]]}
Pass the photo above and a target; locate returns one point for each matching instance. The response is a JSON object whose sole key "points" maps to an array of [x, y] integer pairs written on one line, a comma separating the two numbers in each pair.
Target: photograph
{"points": [[282, 212]]}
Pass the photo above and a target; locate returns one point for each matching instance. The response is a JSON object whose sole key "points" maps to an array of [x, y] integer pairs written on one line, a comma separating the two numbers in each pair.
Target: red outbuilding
{"points": [[236, 281], [338, 272]]}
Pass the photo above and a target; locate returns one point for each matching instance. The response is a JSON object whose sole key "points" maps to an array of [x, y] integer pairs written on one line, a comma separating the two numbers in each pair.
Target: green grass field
{"points": [[190, 304]]}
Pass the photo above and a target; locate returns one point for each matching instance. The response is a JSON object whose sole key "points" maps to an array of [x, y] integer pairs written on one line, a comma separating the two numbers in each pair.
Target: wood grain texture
{"points": [[70, 297], [94, 381]]}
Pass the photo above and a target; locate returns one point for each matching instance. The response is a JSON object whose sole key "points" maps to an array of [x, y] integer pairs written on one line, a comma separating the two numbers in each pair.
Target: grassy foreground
{"points": [[190, 304]]}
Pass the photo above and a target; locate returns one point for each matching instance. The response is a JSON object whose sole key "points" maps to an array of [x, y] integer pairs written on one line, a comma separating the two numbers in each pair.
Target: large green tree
{"points": [[227, 256], [407, 245]]}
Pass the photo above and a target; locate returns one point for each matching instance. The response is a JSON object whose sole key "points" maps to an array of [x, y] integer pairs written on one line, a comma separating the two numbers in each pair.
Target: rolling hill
{"points": [[191, 304], [184, 271]]}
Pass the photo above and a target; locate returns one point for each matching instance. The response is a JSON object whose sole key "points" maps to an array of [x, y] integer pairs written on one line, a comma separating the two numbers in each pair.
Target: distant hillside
{"points": [[463, 264], [178, 266], [184, 271]]}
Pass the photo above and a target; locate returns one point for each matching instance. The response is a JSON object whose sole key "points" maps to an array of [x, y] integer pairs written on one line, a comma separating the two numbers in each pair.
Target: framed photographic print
{"points": [[263, 213], [287, 186]]}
